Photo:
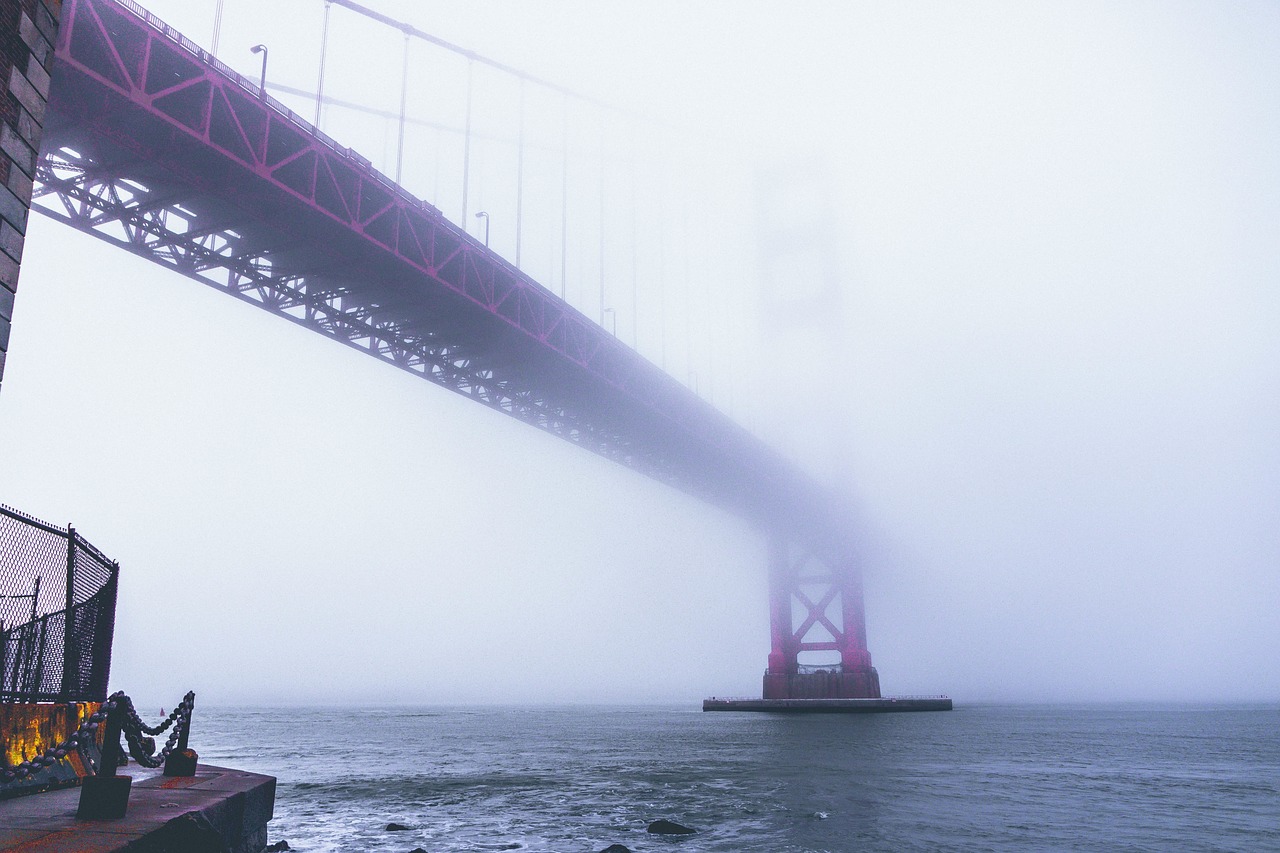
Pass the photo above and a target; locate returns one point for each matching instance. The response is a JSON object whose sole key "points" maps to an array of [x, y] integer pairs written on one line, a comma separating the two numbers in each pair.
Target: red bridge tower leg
{"points": [[817, 626]]}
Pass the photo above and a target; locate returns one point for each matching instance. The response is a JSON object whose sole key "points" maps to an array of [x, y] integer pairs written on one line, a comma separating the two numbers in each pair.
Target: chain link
{"points": [[141, 747]]}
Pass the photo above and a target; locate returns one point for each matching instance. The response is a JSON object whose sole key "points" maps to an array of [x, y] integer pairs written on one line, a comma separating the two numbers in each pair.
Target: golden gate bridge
{"points": [[154, 145]]}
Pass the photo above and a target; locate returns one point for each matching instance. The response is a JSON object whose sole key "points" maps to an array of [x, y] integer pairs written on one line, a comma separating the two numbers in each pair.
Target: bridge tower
{"points": [[817, 622], [815, 606]]}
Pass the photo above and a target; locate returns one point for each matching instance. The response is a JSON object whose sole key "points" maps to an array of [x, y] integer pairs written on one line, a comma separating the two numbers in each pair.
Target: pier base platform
{"points": [[887, 704], [215, 811]]}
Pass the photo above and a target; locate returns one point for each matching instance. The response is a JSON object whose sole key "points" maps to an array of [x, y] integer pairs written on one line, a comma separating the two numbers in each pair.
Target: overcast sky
{"points": [[1054, 397]]}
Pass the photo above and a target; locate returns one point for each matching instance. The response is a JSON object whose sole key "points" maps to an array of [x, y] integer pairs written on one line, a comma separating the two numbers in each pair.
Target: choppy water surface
{"points": [[577, 779]]}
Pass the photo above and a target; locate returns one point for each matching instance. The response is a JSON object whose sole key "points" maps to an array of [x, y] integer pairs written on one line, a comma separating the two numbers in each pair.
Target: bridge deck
{"points": [[156, 146]]}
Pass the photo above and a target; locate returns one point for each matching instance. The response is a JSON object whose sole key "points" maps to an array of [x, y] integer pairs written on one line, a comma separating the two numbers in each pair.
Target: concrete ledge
{"points": [[831, 706], [212, 812]]}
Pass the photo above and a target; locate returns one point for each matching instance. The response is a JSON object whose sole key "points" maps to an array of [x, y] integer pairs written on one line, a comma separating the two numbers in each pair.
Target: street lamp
{"points": [[613, 318], [262, 83], [481, 214]]}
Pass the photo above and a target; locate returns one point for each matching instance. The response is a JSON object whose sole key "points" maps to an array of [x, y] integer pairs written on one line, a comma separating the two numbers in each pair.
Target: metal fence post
{"points": [[68, 653]]}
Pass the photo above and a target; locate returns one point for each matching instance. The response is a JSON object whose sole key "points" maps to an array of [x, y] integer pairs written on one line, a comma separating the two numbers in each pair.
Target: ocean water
{"points": [[577, 779]]}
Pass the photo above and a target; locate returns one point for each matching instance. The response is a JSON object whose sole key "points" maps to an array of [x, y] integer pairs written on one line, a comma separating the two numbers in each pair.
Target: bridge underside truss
{"points": [[155, 146], [156, 224]]}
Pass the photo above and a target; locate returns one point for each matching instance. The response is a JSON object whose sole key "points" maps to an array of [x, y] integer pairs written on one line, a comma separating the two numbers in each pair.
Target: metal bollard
{"points": [[105, 796], [182, 760]]}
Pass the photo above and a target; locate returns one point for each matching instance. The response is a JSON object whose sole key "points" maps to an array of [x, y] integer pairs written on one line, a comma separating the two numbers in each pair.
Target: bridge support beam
{"points": [[817, 627]]}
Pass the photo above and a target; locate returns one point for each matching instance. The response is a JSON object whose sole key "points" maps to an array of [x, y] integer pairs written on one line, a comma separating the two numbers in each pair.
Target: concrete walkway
{"points": [[215, 810]]}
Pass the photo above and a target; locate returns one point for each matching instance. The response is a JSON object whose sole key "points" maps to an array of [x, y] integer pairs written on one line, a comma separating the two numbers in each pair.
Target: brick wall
{"points": [[28, 31]]}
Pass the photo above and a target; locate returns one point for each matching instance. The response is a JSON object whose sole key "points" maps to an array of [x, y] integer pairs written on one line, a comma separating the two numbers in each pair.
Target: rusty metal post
{"points": [[182, 760], [105, 796]]}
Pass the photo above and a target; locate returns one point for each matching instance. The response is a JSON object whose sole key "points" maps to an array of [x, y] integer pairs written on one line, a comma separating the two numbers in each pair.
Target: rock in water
{"points": [[278, 847], [417, 850], [190, 833], [666, 827], [616, 848], [396, 827]]}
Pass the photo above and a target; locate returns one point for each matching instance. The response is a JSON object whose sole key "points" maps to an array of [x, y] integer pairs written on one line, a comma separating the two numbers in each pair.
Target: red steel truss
{"points": [[153, 145], [815, 606]]}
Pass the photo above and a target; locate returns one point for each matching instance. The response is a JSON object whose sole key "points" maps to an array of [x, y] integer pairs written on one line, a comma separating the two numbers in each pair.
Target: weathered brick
{"points": [[22, 154], [39, 46], [8, 272], [43, 52], [27, 30], [29, 129], [9, 106], [26, 94], [45, 21], [11, 241], [39, 78], [13, 210], [19, 183]]}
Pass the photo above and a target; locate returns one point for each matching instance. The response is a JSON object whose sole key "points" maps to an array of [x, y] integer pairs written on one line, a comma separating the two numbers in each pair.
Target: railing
{"points": [[298, 121], [812, 668], [57, 613]]}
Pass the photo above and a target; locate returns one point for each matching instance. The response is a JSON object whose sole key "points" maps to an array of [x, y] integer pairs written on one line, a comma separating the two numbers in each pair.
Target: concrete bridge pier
{"points": [[817, 626]]}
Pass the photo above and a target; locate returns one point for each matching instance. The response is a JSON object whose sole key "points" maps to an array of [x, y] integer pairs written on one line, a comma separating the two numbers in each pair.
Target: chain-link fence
{"points": [[57, 613]]}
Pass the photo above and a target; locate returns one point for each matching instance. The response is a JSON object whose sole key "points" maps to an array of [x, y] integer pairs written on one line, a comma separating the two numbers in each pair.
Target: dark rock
{"points": [[278, 847], [616, 848], [666, 827], [417, 850], [190, 833], [397, 827]]}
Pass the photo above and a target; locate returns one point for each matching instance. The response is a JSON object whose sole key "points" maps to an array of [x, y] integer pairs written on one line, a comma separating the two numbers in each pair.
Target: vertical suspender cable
{"points": [[602, 305], [217, 26], [688, 295], [564, 194], [466, 147], [324, 50], [404, 94], [635, 252], [520, 176], [711, 340], [662, 288]]}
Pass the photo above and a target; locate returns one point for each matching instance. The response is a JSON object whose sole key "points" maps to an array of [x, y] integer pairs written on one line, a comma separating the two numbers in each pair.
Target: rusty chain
{"points": [[141, 746]]}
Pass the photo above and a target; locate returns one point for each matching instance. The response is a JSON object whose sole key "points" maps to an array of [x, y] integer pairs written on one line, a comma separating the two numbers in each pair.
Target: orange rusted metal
{"points": [[27, 730]]}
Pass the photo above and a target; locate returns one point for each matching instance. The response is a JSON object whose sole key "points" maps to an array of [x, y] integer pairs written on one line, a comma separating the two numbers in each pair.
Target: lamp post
{"points": [[613, 318], [262, 83], [482, 214]]}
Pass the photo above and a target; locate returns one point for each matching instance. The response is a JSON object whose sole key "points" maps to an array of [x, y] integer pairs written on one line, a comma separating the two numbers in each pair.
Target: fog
{"points": [[1053, 397]]}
